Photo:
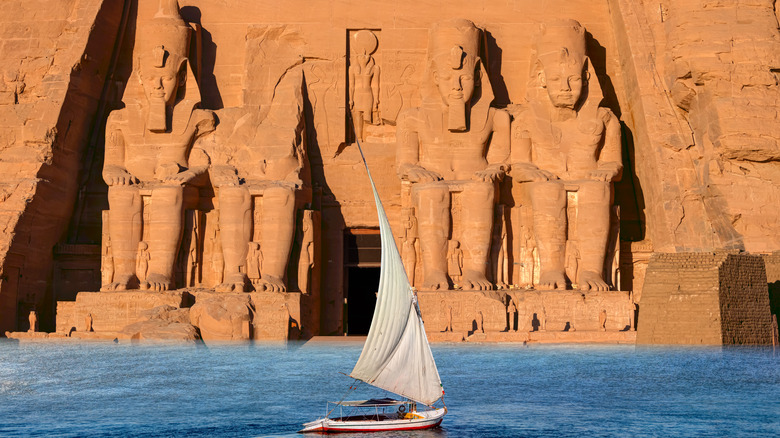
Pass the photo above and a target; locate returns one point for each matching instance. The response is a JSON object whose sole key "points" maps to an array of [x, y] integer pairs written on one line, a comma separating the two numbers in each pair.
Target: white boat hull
{"points": [[426, 420]]}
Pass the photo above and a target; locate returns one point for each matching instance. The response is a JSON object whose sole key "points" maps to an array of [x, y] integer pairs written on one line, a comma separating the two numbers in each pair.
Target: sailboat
{"points": [[396, 356]]}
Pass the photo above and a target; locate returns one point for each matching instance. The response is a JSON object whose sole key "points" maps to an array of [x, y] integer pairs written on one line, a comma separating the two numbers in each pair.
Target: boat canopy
{"points": [[372, 403], [396, 356]]}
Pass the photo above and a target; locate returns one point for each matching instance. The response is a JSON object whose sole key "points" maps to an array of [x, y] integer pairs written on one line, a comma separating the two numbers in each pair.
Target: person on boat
{"points": [[454, 143]]}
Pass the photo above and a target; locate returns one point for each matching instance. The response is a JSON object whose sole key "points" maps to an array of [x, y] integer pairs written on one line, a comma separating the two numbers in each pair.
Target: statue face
{"points": [[564, 85], [161, 83], [455, 86]]}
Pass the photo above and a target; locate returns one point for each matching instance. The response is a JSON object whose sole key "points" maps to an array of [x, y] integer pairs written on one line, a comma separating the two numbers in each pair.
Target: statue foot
{"points": [[270, 283], [119, 285], [551, 280], [157, 282], [590, 280], [435, 281], [474, 280], [233, 283]]}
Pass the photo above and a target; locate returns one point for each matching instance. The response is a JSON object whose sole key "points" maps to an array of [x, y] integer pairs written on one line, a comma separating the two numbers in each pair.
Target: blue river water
{"points": [[246, 390]]}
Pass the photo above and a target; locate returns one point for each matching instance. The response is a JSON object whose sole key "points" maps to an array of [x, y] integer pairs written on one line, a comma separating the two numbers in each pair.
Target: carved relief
{"points": [[363, 78], [306, 261], [455, 262], [499, 255], [150, 153], [409, 243], [454, 143], [566, 153]]}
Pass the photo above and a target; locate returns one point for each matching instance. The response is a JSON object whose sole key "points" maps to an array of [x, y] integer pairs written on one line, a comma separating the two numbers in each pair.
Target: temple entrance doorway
{"points": [[362, 256]]}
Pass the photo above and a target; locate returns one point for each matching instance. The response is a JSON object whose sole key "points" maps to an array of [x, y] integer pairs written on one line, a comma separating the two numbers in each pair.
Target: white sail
{"points": [[396, 356]]}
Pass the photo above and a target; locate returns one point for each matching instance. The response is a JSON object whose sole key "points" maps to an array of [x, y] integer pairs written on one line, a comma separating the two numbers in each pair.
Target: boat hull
{"points": [[426, 420]]}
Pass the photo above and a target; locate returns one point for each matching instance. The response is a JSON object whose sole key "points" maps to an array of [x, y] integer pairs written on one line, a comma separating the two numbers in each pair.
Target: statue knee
{"points": [[120, 197], [435, 192], [230, 197], [480, 193], [595, 192], [548, 194], [169, 195], [278, 197]]}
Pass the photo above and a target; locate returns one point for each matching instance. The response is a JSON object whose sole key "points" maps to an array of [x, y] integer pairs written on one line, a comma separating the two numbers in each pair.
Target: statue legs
{"points": [[478, 202], [548, 200], [593, 232], [165, 232], [277, 228], [433, 216], [235, 223], [125, 232]]}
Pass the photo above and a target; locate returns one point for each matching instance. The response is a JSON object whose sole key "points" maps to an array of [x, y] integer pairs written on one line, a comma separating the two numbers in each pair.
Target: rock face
{"points": [[209, 148], [163, 323], [223, 318]]}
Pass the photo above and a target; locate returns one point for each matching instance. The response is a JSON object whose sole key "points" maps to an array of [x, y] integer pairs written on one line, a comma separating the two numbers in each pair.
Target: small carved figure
{"points": [[572, 260], [253, 262], [527, 261], [217, 259], [33, 318], [448, 328], [409, 248], [193, 264], [512, 316], [88, 323], [306, 263], [567, 142], [142, 263], [363, 82], [603, 320], [455, 261], [454, 142], [481, 322], [632, 316], [499, 248], [107, 265]]}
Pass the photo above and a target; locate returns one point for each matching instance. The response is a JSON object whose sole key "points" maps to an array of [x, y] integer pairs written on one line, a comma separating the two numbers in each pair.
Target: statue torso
{"points": [[454, 155], [568, 148]]}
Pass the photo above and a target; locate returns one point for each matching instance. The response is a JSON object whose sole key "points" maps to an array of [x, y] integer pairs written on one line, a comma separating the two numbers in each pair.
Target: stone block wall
{"points": [[705, 298]]}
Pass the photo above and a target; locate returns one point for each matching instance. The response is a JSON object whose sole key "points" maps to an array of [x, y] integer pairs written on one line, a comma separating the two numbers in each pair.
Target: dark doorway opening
{"points": [[362, 285], [362, 257]]}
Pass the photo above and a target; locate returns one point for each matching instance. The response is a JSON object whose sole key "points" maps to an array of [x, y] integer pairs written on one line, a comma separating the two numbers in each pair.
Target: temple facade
{"points": [[559, 172]]}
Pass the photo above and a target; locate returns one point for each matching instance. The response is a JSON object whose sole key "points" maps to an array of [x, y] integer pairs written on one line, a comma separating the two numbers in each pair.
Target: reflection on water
{"points": [[271, 389]]}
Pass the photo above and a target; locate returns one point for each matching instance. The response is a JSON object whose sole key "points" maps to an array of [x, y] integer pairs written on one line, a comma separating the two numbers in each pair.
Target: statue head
{"points": [[562, 59], [162, 48], [455, 67], [161, 74]]}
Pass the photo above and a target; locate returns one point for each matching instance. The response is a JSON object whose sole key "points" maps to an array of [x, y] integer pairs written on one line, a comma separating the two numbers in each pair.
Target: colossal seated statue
{"points": [[260, 178], [150, 153], [454, 143], [565, 143]]}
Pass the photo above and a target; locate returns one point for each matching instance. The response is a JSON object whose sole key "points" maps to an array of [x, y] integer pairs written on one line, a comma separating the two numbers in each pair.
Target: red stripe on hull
{"points": [[335, 430]]}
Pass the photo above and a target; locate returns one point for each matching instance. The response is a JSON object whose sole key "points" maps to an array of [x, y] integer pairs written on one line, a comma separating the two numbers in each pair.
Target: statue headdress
{"points": [[562, 42], [456, 44], [162, 42]]}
